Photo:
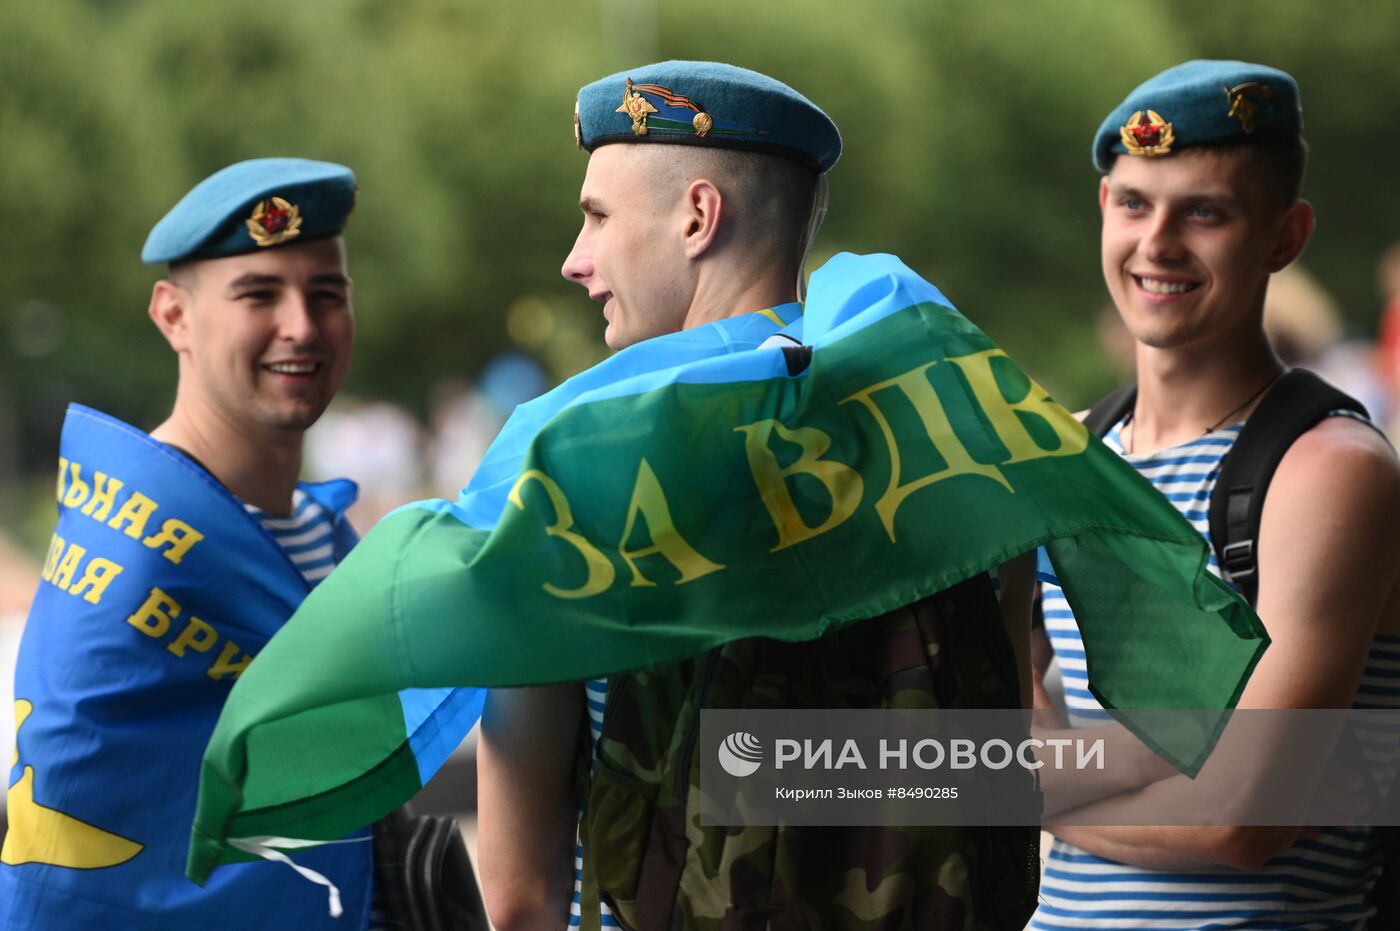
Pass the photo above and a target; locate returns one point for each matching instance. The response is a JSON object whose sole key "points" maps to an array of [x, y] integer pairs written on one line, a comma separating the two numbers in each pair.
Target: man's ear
{"points": [[704, 213], [1103, 193], [169, 310], [1295, 228]]}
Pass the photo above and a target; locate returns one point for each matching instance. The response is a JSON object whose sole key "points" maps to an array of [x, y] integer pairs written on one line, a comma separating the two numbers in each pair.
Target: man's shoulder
{"points": [[1340, 482], [1342, 453]]}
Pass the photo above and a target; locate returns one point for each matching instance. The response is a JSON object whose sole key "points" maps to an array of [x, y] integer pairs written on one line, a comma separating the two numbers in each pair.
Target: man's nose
{"points": [[578, 264], [295, 321], [1162, 242]]}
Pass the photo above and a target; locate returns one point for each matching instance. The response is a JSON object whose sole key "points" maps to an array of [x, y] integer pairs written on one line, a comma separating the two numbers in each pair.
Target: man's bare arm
{"points": [[1330, 529], [527, 810], [1016, 583]]}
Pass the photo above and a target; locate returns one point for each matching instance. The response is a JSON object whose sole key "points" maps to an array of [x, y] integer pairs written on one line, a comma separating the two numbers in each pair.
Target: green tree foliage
{"points": [[967, 129]]}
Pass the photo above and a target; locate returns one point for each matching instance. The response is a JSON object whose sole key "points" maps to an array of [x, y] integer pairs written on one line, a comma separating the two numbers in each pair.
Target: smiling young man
{"points": [[176, 556], [1203, 166], [263, 342]]}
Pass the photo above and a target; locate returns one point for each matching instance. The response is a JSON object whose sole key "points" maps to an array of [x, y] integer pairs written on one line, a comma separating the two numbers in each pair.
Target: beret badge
{"points": [[1242, 102], [709, 104], [635, 103], [274, 221], [1151, 136], [637, 107]]}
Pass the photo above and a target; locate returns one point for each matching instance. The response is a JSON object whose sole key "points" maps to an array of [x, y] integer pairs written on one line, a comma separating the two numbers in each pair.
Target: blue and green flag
{"points": [[703, 487]]}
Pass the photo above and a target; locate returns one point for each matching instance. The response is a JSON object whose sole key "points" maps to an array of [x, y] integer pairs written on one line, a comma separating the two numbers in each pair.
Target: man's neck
{"points": [[1184, 393], [258, 471], [721, 296]]}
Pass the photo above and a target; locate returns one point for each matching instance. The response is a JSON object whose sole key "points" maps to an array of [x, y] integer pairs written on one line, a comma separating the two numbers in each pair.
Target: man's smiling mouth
{"points": [[293, 368], [1165, 286]]}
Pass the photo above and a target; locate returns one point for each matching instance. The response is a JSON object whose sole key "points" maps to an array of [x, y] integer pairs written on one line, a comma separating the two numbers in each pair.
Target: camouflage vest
{"points": [[647, 856]]}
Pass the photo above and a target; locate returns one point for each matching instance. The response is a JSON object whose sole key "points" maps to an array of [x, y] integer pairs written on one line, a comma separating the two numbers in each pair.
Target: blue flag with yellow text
{"points": [[158, 590]]}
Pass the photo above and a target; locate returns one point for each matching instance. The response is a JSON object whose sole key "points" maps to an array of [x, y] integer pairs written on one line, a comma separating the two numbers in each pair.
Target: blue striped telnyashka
{"points": [[307, 536], [1320, 882], [596, 694]]}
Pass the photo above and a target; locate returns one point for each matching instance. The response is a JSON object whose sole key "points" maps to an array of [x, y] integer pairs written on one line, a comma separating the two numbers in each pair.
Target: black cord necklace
{"points": [[1128, 447]]}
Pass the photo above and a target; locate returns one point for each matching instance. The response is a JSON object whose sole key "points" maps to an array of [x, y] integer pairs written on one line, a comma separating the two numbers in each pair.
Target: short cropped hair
{"points": [[1279, 164], [769, 196], [183, 274]]}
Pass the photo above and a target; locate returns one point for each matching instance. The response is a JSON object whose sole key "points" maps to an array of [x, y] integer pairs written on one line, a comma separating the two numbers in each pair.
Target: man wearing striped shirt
{"points": [[1202, 168], [256, 306], [263, 340], [263, 330]]}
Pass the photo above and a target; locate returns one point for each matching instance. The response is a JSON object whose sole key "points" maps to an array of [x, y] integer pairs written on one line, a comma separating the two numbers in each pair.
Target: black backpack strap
{"points": [[1103, 415], [1296, 403]]}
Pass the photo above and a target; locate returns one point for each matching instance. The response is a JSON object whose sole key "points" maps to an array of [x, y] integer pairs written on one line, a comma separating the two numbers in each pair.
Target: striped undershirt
{"points": [[307, 536], [595, 692], [1319, 882]]}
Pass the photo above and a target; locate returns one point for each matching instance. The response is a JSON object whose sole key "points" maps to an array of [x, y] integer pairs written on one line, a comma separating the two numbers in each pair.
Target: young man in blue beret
{"points": [[177, 554], [705, 186], [1202, 168]]}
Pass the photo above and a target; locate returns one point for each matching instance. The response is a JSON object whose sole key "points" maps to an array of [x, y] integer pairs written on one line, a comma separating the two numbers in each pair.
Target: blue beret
{"points": [[253, 205], [705, 103], [1200, 103]]}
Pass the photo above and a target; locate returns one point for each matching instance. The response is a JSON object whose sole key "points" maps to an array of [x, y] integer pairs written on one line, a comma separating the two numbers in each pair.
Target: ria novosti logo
{"points": [[740, 754]]}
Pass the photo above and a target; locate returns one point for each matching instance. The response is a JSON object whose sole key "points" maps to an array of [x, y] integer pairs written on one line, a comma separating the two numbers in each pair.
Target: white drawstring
{"points": [[266, 847]]}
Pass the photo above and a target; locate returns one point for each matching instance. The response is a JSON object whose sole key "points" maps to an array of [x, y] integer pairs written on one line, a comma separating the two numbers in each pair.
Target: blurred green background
{"points": [[967, 128]]}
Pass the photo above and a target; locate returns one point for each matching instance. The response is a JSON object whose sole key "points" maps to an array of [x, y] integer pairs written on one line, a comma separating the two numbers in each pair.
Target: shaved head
{"points": [[675, 236], [184, 274], [768, 198]]}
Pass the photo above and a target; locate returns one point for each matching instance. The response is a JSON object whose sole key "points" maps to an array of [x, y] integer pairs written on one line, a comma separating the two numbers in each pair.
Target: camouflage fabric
{"points": [[646, 854]]}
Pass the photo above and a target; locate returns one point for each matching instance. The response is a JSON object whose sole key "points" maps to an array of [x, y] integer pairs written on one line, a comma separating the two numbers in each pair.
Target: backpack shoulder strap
{"points": [[1113, 408], [1292, 407]]}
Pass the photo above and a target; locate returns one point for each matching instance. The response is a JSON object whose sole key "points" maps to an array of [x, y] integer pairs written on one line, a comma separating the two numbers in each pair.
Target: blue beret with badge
{"points": [[258, 204], [1200, 103], [708, 104]]}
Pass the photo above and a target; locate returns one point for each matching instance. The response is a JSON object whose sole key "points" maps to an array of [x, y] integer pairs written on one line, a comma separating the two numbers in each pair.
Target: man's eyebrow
{"points": [[1222, 197], [590, 205], [1123, 190], [252, 279]]}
